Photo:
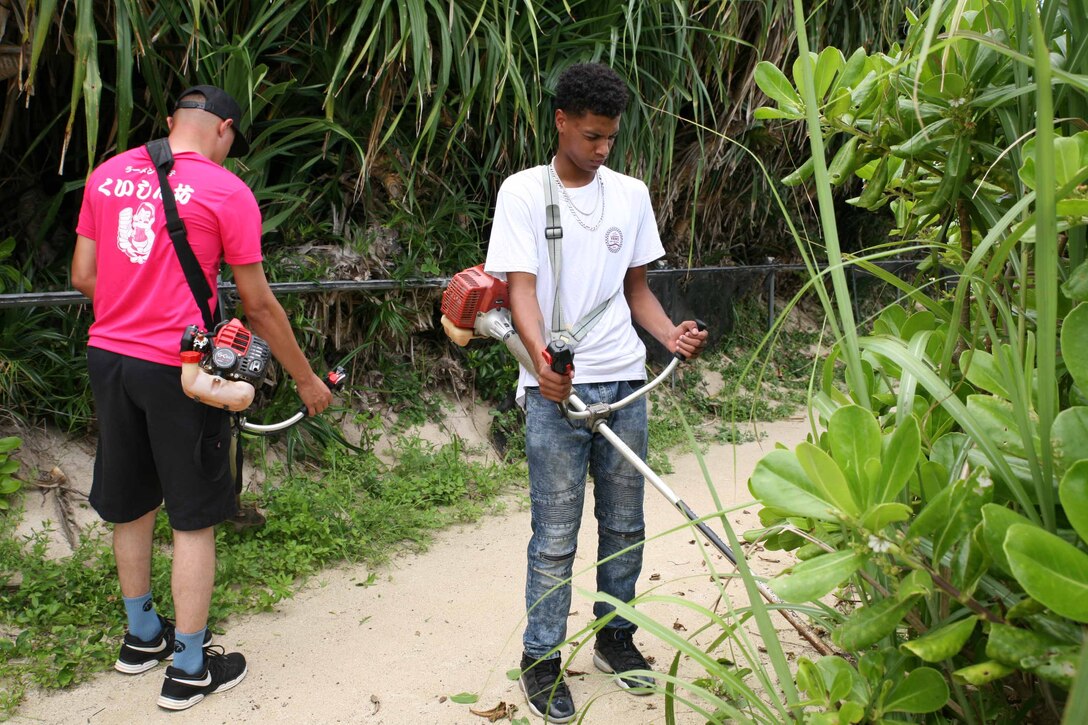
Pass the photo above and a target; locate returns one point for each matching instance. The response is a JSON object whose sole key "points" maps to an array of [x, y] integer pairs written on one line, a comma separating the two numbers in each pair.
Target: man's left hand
{"points": [[688, 340]]}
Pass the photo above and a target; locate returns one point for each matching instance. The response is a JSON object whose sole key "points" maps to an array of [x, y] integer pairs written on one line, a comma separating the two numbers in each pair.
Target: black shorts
{"points": [[156, 446]]}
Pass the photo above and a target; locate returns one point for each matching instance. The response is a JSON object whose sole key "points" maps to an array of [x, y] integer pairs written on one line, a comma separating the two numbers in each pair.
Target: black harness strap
{"points": [[159, 150]]}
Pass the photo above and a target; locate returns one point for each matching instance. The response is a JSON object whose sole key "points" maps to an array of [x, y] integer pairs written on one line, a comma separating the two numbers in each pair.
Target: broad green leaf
{"points": [[770, 112], [922, 321], [1070, 159], [1010, 645], [971, 560], [838, 104], [1073, 492], [841, 681], [868, 625], [1069, 436], [980, 369], [998, 422], [828, 65], [464, 698], [10, 466], [964, 513], [1075, 344], [864, 93], [923, 690], [1058, 665], [1072, 207], [938, 645], [776, 86], [853, 71], [983, 672], [854, 436], [10, 443], [900, 458], [879, 516], [932, 478], [934, 516], [950, 451], [814, 578], [1049, 569], [798, 75], [949, 86], [996, 521], [827, 477], [927, 140], [779, 481], [809, 679], [850, 712], [1076, 284], [917, 582]]}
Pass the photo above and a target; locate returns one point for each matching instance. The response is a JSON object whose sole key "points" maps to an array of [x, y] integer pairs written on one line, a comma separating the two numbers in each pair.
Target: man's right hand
{"points": [[554, 386], [315, 393]]}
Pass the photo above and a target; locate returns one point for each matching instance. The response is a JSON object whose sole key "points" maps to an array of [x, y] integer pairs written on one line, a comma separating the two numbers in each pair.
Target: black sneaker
{"points": [[139, 656], [222, 671], [615, 653], [545, 691]]}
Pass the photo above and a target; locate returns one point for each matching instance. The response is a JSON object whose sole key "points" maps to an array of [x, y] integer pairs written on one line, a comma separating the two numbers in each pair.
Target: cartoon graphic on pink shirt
{"points": [[135, 237]]}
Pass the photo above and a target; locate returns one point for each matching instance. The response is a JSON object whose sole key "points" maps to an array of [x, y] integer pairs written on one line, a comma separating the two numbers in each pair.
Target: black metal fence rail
{"points": [[69, 298]]}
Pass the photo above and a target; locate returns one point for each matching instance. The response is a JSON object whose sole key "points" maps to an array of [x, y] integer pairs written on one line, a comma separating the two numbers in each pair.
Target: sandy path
{"points": [[439, 623]]}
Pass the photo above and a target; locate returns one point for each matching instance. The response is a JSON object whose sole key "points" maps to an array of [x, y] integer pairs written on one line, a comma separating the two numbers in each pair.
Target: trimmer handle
{"points": [[334, 379], [679, 355], [560, 357]]}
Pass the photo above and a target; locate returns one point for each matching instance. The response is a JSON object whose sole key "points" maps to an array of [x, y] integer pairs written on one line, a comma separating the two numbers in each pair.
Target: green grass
{"points": [[60, 619], [756, 384]]}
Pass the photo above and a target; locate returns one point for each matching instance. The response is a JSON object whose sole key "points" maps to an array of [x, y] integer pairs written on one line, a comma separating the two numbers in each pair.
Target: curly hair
{"points": [[591, 88]]}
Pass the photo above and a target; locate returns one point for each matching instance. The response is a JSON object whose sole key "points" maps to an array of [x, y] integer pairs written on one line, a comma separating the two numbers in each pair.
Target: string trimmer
{"points": [[476, 305]]}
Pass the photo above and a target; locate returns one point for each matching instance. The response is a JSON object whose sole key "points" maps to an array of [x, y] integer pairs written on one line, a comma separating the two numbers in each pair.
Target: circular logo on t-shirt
{"points": [[613, 239]]}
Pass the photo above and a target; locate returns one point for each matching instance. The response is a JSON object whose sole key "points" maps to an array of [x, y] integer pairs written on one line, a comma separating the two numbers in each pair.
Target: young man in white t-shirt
{"points": [[609, 235]]}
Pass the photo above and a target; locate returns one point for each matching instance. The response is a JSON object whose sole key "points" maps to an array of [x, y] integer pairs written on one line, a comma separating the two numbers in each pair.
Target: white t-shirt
{"points": [[594, 264]]}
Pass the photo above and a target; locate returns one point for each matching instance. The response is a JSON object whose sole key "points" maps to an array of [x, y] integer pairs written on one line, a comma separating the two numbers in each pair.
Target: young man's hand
{"points": [[687, 339], [554, 386], [314, 392]]}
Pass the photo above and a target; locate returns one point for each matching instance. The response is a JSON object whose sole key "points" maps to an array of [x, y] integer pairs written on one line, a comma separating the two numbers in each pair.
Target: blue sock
{"points": [[189, 652], [143, 621]]}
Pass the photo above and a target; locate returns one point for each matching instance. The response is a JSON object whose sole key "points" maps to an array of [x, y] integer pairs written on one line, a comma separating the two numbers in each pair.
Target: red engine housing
{"points": [[471, 292], [235, 336]]}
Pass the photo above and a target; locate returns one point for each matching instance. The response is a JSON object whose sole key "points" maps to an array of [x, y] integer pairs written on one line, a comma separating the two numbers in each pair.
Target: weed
{"points": [[776, 382], [9, 484], [495, 371], [60, 619]]}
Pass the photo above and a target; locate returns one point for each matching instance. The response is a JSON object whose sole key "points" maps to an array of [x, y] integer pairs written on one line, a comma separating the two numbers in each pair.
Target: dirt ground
{"points": [[396, 648]]}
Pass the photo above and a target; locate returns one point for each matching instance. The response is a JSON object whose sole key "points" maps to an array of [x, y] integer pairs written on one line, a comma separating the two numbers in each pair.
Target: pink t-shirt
{"points": [[142, 303]]}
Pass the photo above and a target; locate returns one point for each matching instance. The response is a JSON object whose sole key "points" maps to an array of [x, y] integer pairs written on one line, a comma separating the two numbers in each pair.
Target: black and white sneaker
{"points": [[139, 656], [615, 652], [222, 671], [545, 690]]}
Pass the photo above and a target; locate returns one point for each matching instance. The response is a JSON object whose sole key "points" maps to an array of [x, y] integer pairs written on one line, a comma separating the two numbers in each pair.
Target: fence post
{"points": [[770, 295], [854, 293]]}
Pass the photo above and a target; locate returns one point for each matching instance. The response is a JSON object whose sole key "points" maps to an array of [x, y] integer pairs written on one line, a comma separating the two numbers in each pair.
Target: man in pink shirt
{"points": [[156, 445]]}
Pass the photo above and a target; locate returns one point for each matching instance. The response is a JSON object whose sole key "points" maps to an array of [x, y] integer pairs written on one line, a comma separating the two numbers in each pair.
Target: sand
{"points": [[394, 644]]}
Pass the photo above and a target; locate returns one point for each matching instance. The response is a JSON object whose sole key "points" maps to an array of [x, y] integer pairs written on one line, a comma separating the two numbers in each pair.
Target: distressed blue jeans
{"points": [[560, 453]]}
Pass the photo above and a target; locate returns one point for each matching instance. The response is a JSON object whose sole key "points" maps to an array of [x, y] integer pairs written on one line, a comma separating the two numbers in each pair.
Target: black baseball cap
{"points": [[220, 103]]}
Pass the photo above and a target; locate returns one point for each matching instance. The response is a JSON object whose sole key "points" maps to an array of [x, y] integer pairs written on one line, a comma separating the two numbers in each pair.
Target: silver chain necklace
{"points": [[575, 211]]}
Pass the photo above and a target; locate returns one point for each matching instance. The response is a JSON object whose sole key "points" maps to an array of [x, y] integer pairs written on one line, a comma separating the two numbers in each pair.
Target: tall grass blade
{"points": [[843, 325], [43, 20], [1046, 265], [123, 82]]}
